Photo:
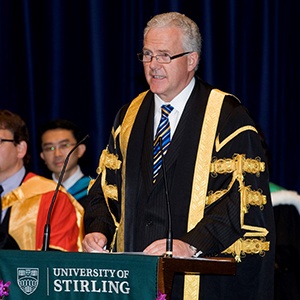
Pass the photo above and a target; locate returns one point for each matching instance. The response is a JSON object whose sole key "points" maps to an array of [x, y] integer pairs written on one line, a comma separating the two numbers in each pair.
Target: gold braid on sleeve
{"points": [[254, 240], [109, 161]]}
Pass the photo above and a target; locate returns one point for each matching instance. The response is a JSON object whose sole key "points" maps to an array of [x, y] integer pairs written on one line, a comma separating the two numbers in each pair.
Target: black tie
{"points": [[1, 190]]}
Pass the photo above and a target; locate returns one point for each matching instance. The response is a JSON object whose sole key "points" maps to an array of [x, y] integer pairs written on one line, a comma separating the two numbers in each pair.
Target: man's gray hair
{"points": [[191, 36]]}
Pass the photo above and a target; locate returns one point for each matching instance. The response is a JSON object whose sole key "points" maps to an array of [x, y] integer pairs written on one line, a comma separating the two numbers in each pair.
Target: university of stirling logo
{"points": [[28, 279]]}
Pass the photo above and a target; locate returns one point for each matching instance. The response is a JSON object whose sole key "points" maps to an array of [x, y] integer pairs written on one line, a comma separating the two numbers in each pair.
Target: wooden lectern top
{"points": [[168, 266]]}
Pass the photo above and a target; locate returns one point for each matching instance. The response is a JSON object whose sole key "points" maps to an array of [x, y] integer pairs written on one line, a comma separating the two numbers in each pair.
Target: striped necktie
{"points": [[163, 132]]}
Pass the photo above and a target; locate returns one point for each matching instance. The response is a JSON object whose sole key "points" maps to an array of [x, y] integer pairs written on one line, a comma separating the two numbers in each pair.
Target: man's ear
{"points": [[80, 150], [192, 60], [22, 149], [42, 155]]}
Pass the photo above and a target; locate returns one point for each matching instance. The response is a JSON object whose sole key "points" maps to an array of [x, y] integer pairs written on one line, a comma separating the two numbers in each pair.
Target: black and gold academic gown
{"points": [[237, 216]]}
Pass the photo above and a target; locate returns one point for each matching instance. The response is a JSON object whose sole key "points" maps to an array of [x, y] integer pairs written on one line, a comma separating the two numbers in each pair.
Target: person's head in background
{"points": [[14, 139], [57, 139]]}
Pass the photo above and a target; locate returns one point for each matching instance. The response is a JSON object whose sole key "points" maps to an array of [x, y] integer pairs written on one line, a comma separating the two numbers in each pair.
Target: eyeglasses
{"points": [[6, 140], [61, 147], [146, 57]]}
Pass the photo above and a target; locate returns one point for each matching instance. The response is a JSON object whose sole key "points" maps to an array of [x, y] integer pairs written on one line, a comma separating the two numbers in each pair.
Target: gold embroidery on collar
{"points": [[231, 136]]}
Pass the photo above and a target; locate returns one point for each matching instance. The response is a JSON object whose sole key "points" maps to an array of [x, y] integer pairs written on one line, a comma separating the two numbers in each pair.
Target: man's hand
{"points": [[94, 242], [180, 248]]}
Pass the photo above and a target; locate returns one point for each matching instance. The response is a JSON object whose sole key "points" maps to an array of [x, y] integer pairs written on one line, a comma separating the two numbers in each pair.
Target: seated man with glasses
{"points": [[57, 139], [25, 198]]}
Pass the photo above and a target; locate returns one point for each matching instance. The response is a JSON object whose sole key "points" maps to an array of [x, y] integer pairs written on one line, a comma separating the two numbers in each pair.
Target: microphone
{"points": [[61, 176], [169, 244]]}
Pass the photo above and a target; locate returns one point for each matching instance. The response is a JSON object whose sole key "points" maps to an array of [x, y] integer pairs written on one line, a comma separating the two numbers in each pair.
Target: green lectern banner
{"points": [[60, 275]]}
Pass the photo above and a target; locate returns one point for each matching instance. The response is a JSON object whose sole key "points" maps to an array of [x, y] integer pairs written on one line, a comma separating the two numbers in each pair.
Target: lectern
{"points": [[169, 266], [59, 275]]}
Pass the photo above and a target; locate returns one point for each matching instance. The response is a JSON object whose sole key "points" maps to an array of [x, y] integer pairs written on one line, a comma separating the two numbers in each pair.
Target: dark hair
{"points": [[17, 127], [62, 124]]}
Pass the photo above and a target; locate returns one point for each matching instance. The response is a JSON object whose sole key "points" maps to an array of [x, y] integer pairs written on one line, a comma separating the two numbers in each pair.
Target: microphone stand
{"points": [[60, 179], [169, 244]]}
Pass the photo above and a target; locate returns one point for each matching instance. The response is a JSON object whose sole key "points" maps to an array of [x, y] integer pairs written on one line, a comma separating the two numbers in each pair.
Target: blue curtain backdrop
{"points": [[77, 60]]}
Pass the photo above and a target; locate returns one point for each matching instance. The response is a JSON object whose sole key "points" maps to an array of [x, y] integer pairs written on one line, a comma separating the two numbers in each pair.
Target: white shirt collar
{"points": [[72, 179], [178, 103]]}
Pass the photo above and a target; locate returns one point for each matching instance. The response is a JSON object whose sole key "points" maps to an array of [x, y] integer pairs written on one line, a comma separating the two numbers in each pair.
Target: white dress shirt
{"points": [[178, 103]]}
